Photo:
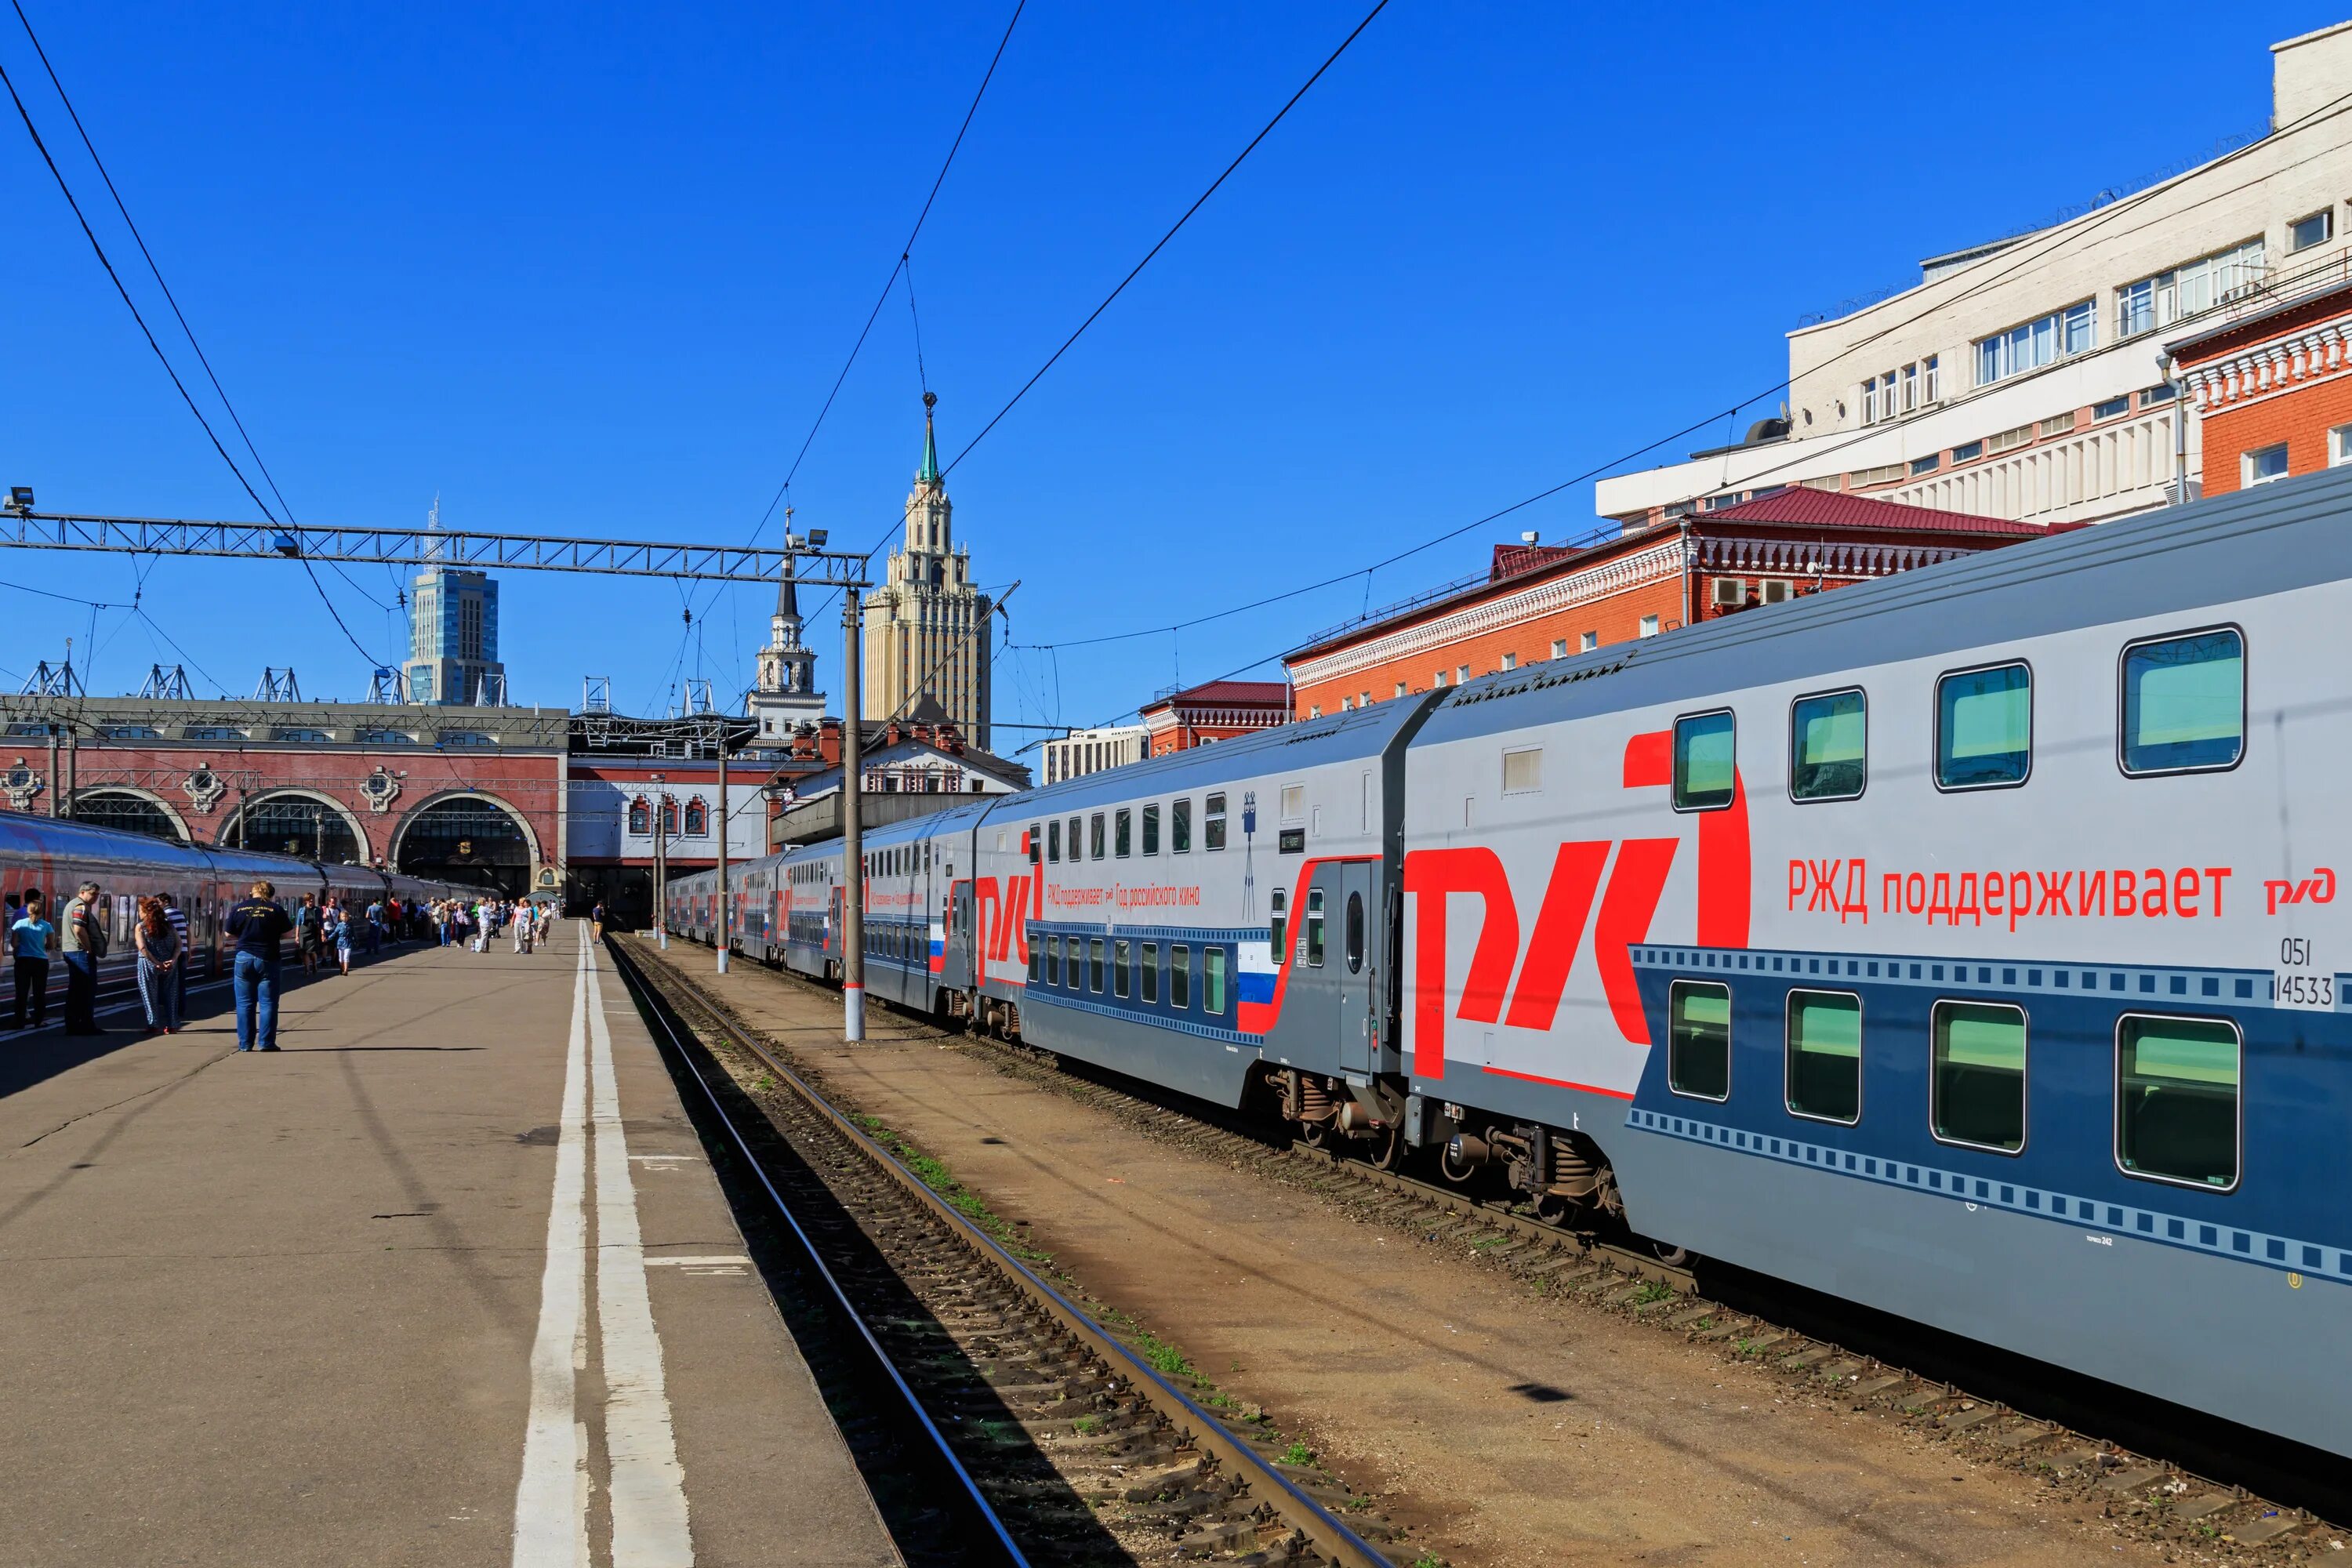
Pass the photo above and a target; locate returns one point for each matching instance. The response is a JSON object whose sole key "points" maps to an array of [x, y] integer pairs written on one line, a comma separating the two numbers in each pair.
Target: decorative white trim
{"points": [[1650, 566]]}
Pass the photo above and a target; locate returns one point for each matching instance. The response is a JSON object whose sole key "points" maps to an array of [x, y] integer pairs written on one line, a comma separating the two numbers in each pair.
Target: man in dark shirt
{"points": [[255, 925]]}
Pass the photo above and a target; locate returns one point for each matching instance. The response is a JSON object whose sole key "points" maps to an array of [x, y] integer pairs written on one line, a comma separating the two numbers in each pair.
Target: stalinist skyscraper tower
{"points": [[925, 625]]}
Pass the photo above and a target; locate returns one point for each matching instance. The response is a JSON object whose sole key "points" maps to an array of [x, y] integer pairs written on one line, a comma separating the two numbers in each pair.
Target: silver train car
{"points": [[57, 856], [1965, 943]]}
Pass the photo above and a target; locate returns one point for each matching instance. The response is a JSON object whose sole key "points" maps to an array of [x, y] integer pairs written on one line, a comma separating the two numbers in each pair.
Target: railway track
{"points": [[1061, 1443], [2168, 1498]]}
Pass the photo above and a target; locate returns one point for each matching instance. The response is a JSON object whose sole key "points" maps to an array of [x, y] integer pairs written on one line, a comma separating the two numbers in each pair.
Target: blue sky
{"points": [[588, 270]]}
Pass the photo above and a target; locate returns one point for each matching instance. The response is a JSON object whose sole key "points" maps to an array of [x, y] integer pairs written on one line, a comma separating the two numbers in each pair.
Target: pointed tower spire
{"points": [[788, 603], [931, 470]]}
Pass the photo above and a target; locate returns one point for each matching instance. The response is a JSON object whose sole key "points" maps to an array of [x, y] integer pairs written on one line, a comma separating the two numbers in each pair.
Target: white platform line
{"points": [[648, 1485], [550, 1528]]}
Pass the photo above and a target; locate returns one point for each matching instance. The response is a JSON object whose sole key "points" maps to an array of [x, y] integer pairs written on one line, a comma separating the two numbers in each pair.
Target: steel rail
{"points": [[431, 547], [1339, 1545], [972, 1494]]}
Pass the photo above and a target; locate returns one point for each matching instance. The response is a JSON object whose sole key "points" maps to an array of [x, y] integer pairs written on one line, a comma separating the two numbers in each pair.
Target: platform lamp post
{"points": [[661, 888], [853, 838], [726, 898]]}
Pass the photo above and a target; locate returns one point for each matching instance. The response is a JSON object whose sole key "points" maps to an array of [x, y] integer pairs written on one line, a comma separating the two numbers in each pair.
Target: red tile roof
{"points": [[1803, 507], [1230, 694]]}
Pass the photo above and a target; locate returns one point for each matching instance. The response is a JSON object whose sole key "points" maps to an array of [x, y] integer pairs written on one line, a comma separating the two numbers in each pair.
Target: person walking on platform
{"points": [[343, 937], [159, 956], [28, 944], [308, 928], [84, 943], [179, 919], [255, 925], [546, 922]]}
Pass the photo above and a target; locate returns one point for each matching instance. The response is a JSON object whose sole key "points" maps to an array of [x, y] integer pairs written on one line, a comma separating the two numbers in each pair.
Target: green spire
{"points": [[931, 470]]}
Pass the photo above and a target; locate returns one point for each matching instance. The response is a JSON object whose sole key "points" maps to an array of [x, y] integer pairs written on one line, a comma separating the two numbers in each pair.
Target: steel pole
{"points": [[726, 898], [853, 840], [661, 873]]}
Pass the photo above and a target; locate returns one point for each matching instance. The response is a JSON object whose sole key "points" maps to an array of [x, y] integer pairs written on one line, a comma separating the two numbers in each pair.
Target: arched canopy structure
{"points": [[462, 835], [307, 822], [129, 810]]}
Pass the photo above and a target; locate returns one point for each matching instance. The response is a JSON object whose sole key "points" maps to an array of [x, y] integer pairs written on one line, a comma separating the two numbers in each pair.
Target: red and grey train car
{"points": [[1966, 943]]}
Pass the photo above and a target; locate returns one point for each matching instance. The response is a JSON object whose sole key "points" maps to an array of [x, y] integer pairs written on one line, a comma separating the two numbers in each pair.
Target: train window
{"points": [[1180, 828], [2177, 1101], [1698, 1039], [1053, 961], [1053, 841], [1706, 748], [2184, 701], [1825, 1056], [1314, 928], [1212, 823], [1078, 846], [1213, 980], [1180, 977], [1278, 925], [1984, 728], [1036, 959], [1095, 965], [1095, 838], [1523, 770], [1978, 1093], [1829, 745], [1151, 971], [1293, 802], [1152, 829], [1035, 842], [1118, 968], [1355, 933], [1121, 824]]}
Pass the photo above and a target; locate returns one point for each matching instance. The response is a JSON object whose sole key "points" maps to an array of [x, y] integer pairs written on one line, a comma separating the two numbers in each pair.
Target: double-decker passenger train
{"points": [[57, 856], [1963, 943]]}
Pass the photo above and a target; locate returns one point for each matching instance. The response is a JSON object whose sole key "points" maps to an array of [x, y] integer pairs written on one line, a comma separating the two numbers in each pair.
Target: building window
{"points": [[1927, 465], [1910, 388], [697, 818], [1347, 705], [2262, 465], [1586, 642], [1559, 648], [1931, 375], [2163, 392], [1869, 400], [1316, 711], [1649, 625], [1510, 661], [2185, 703], [2035, 343], [1440, 682], [1698, 1039], [640, 817], [1977, 1096], [1212, 823], [2161, 300], [669, 817], [1706, 769], [1363, 699], [2339, 446], [2306, 232], [2177, 1101], [1829, 738], [1968, 451], [1461, 674], [1400, 688], [1984, 728], [2113, 408]]}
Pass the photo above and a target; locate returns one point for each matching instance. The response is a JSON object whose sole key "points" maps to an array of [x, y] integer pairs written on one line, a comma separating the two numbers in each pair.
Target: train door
{"points": [[1355, 966]]}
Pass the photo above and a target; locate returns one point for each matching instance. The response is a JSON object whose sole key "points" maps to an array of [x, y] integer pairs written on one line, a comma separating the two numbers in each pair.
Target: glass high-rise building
{"points": [[453, 645]]}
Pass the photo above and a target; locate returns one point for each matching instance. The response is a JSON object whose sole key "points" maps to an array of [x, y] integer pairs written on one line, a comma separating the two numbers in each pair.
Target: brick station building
{"points": [[2273, 388], [1214, 710], [1538, 602]]}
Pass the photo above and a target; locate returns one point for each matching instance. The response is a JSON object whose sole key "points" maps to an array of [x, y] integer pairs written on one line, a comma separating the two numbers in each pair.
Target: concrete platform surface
{"points": [[446, 1280]]}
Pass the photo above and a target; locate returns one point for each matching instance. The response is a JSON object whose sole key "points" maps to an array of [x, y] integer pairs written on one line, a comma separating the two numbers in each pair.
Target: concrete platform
{"points": [[447, 1280]]}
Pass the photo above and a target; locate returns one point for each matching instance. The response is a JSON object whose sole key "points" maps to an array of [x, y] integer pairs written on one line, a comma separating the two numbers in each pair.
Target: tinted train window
{"points": [[1180, 978], [1977, 1096], [1095, 965], [1036, 846], [1278, 926], [1984, 728], [1314, 928], [1053, 841], [1095, 839], [1118, 968], [2177, 1101], [1212, 823], [1180, 828], [1828, 743], [1151, 971], [1213, 980], [1119, 835], [1152, 830], [1053, 961], [2184, 703], [1036, 959], [1698, 1039], [1078, 841], [1355, 933], [1705, 745], [1825, 1056]]}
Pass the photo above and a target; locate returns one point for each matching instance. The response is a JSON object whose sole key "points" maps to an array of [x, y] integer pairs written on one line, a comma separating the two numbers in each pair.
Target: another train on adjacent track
{"points": [[57, 856], [1964, 943]]}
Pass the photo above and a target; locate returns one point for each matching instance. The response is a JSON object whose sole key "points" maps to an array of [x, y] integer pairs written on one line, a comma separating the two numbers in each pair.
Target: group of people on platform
{"points": [[325, 930]]}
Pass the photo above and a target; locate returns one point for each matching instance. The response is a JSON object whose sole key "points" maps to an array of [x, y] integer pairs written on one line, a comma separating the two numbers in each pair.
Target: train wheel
{"points": [[1315, 1134], [1460, 1172], [1388, 1147], [1672, 1257]]}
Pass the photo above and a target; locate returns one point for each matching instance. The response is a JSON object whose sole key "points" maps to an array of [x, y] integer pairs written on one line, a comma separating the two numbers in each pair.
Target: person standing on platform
{"points": [[306, 932], [343, 937], [83, 942], [596, 922], [255, 925], [29, 943], [179, 919], [159, 956]]}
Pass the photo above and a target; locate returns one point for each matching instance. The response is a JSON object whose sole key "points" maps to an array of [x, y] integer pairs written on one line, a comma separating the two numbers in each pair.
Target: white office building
{"points": [[1084, 751], [2026, 378]]}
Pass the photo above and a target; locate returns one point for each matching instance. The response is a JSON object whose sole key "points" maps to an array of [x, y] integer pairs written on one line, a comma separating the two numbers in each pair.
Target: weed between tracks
{"points": [[933, 1173]]}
